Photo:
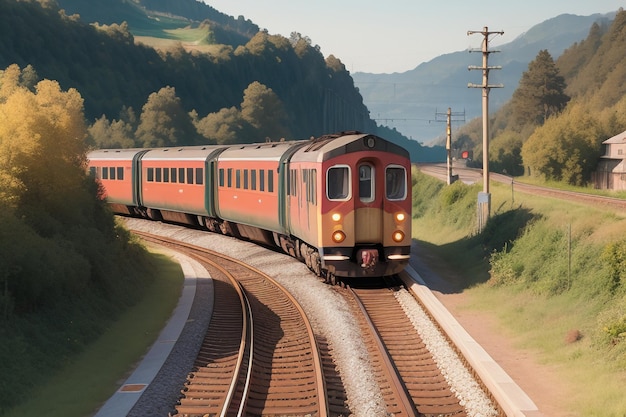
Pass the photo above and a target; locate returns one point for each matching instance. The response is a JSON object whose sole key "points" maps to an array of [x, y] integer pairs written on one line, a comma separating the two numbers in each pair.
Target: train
{"points": [[341, 203]]}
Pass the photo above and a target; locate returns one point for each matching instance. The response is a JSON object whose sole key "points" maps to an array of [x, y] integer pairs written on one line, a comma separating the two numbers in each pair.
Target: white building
{"points": [[611, 171]]}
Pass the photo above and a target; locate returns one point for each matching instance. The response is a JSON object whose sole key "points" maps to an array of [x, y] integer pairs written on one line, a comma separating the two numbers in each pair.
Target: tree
{"points": [[566, 148], [109, 135], [42, 145], [505, 153], [44, 190], [164, 122], [262, 108], [227, 126], [540, 93]]}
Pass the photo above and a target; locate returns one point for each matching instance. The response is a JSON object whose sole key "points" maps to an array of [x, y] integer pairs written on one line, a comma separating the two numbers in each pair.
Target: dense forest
{"points": [[120, 78], [112, 72], [554, 125]]}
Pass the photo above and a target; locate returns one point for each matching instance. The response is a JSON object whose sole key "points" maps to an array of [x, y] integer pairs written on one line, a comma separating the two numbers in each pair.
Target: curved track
{"points": [[274, 369], [392, 311]]}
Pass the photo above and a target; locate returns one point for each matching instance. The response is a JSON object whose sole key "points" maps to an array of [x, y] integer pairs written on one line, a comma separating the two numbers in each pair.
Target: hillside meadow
{"points": [[551, 272]]}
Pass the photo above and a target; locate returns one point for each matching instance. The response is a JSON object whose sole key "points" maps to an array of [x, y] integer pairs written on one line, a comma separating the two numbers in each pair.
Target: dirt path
{"points": [[541, 382]]}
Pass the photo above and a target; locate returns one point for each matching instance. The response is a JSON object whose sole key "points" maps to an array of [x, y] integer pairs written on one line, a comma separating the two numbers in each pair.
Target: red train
{"points": [[340, 203]]}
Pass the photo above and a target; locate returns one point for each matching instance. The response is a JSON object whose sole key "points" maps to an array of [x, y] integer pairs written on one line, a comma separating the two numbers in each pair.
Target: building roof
{"points": [[619, 138]]}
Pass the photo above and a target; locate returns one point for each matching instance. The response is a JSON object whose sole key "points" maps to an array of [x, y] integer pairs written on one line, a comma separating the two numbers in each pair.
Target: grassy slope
{"points": [[552, 280], [88, 380]]}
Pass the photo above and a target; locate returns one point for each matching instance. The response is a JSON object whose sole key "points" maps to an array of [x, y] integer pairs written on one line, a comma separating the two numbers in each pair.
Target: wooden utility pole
{"points": [[449, 121], [484, 198]]}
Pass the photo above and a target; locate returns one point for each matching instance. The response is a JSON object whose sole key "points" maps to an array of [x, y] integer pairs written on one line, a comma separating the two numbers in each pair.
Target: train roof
{"points": [[330, 146], [108, 154], [317, 149], [189, 153], [272, 151]]}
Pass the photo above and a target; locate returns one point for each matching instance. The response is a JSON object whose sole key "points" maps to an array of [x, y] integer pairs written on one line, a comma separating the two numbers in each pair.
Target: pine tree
{"points": [[540, 93]]}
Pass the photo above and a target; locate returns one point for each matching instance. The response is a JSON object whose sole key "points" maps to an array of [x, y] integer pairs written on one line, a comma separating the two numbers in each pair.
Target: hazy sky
{"points": [[397, 35]]}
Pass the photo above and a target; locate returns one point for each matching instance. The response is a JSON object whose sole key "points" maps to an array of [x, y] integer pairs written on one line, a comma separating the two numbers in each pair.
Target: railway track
{"points": [[413, 382], [408, 379], [473, 175], [259, 355]]}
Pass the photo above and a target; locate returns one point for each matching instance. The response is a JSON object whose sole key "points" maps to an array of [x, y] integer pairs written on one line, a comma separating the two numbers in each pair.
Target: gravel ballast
{"points": [[330, 317]]}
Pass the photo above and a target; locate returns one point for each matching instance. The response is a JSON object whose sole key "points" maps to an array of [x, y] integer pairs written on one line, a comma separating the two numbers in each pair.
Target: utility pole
{"points": [[484, 198], [449, 121]]}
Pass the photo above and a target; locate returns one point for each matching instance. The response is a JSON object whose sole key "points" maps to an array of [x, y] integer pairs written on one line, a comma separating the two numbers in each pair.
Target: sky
{"points": [[397, 35]]}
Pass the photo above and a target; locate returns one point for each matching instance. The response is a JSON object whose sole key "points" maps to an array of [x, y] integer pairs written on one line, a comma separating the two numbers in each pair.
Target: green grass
{"points": [[89, 379], [541, 268]]}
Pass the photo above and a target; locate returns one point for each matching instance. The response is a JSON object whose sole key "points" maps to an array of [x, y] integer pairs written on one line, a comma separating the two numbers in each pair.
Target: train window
{"points": [[310, 182], [166, 175], [105, 173], [313, 186], [93, 171], [262, 180], [150, 174], [305, 185], [120, 173], [181, 175], [395, 182], [338, 183], [157, 176], [366, 182], [270, 181], [189, 175], [111, 173], [173, 174], [230, 177], [199, 176], [238, 178], [253, 179], [245, 179], [220, 174], [293, 182]]}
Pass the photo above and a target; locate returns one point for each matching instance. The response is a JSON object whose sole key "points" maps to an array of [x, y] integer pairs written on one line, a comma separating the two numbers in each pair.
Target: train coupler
{"points": [[368, 258]]}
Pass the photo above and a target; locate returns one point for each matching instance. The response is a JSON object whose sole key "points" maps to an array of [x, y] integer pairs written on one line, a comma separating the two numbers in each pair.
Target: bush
{"points": [[615, 256]]}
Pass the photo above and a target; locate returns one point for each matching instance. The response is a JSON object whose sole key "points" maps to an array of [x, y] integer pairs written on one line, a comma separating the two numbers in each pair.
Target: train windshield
{"points": [[395, 182], [338, 183]]}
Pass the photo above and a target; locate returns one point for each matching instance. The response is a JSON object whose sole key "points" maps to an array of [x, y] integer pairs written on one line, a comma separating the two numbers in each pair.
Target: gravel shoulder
{"points": [[542, 382]]}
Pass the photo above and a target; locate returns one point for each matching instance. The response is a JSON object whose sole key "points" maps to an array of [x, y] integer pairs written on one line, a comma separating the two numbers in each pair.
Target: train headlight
{"points": [[398, 236], [338, 236], [400, 217], [336, 217]]}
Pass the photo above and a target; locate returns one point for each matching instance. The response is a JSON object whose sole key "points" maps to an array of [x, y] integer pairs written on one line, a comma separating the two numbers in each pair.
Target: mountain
{"points": [[409, 101]]}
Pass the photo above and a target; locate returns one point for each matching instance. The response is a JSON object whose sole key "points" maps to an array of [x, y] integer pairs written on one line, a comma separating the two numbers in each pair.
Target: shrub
{"points": [[615, 256]]}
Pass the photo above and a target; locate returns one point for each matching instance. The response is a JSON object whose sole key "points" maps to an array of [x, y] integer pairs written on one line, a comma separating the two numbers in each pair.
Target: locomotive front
{"points": [[365, 207]]}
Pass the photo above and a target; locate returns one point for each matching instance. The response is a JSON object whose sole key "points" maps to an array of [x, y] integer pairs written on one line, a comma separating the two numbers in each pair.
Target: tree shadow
{"points": [[453, 267]]}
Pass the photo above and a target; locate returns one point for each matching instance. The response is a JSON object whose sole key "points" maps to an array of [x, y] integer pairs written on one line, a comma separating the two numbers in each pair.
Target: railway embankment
{"points": [[550, 277]]}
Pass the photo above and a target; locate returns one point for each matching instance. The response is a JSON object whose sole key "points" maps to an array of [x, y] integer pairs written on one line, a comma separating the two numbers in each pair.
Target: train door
{"points": [[368, 215]]}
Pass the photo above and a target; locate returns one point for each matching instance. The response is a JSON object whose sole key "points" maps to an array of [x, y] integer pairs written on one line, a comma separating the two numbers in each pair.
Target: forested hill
{"points": [[117, 76], [110, 71], [154, 17], [554, 125]]}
